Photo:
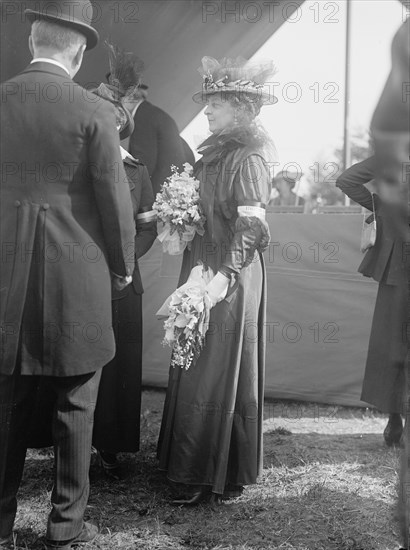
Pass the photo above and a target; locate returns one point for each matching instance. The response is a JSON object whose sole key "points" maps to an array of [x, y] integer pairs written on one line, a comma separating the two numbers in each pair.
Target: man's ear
{"points": [[78, 58], [30, 45]]}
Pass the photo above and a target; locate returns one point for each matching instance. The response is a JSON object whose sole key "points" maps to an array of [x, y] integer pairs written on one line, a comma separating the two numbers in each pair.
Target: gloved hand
{"points": [[218, 287], [199, 277], [119, 283]]}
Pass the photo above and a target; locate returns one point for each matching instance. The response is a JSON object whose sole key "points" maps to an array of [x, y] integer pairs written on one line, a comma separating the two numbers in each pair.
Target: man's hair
{"points": [[47, 34]]}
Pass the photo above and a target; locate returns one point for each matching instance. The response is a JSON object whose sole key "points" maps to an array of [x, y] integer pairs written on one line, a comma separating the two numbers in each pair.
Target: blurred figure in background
{"points": [[285, 183], [391, 131], [384, 382]]}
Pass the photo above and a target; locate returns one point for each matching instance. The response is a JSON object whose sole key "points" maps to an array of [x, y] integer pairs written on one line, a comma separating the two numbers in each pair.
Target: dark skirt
{"points": [[211, 432], [117, 414], [384, 382]]}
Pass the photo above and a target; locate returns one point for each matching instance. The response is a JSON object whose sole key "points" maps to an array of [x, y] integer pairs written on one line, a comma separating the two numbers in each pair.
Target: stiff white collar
{"points": [[52, 61], [125, 153]]}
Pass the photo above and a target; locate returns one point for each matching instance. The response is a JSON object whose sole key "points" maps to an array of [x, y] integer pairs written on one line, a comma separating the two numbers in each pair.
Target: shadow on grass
{"points": [[367, 453], [317, 492]]}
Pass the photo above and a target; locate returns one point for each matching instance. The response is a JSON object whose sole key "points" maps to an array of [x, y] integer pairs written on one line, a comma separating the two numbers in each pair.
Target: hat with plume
{"points": [[237, 76]]}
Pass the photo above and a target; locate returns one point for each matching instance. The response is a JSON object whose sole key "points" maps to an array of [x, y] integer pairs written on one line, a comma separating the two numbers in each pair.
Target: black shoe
{"points": [[110, 465], [87, 534], [393, 431], [232, 491], [215, 500], [202, 494]]}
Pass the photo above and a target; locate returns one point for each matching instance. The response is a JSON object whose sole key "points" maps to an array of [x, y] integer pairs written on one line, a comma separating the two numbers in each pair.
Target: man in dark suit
{"points": [[383, 383], [67, 232], [155, 141]]}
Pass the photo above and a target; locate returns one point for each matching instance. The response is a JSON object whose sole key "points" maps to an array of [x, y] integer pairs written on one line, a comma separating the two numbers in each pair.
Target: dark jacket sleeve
{"points": [[252, 186], [140, 193], [352, 181], [146, 221]]}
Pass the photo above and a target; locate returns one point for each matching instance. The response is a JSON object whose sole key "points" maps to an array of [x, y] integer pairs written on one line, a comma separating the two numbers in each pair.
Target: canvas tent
{"points": [[171, 36], [319, 307]]}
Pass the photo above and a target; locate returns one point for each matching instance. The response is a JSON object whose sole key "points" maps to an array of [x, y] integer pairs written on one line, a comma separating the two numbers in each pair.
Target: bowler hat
{"points": [[76, 14]]}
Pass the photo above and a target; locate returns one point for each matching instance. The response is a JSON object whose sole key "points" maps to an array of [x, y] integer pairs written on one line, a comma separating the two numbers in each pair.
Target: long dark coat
{"points": [[383, 383], [66, 221], [118, 409], [211, 431]]}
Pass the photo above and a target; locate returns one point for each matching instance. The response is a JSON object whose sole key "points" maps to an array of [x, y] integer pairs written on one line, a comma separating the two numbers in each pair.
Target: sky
{"points": [[307, 122]]}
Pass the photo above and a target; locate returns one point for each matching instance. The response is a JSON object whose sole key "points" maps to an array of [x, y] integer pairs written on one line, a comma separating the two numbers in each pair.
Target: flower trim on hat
{"points": [[236, 76]]}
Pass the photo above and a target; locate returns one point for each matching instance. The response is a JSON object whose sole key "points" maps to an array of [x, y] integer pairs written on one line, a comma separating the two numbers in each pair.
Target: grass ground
{"points": [[328, 484]]}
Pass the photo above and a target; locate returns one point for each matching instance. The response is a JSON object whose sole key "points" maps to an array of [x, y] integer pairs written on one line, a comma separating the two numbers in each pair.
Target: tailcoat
{"points": [[66, 221]]}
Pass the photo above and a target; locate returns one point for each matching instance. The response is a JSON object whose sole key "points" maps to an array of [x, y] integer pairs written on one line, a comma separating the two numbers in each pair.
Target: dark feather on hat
{"points": [[125, 69]]}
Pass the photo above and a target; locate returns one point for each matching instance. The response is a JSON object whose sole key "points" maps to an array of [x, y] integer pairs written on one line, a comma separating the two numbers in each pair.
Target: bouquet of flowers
{"points": [[177, 206], [188, 318]]}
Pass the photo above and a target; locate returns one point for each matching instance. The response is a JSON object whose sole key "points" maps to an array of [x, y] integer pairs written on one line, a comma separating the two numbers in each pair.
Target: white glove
{"points": [[217, 288], [197, 278]]}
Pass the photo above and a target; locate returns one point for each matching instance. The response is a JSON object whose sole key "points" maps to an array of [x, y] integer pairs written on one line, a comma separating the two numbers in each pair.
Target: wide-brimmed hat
{"points": [[108, 92], [76, 14], [237, 76], [289, 176]]}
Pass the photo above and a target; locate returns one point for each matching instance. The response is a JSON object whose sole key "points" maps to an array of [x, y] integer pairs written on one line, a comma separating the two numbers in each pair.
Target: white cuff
{"points": [[252, 212], [218, 287]]}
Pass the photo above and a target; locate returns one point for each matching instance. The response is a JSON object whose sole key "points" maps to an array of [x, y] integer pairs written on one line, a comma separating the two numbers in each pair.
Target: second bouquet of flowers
{"points": [[178, 207], [187, 311]]}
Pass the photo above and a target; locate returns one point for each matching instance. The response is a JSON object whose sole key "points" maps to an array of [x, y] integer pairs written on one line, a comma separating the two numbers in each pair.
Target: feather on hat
{"points": [[237, 76], [126, 69]]}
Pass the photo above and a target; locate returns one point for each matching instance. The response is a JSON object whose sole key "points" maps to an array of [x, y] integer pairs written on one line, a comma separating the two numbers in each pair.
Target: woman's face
{"points": [[220, 113]]}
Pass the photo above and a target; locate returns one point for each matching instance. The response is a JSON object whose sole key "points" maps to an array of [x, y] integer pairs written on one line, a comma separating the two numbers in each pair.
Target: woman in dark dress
{"points": [[117, 413], [384, 382], [211, 432]]}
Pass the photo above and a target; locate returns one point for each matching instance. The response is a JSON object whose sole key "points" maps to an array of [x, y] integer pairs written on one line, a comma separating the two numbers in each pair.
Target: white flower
{"points": [[178, 207]]}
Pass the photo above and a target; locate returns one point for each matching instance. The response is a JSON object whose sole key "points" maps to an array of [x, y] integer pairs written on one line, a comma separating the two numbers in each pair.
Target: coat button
{"points": [[17, 204], [45, 206]]}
